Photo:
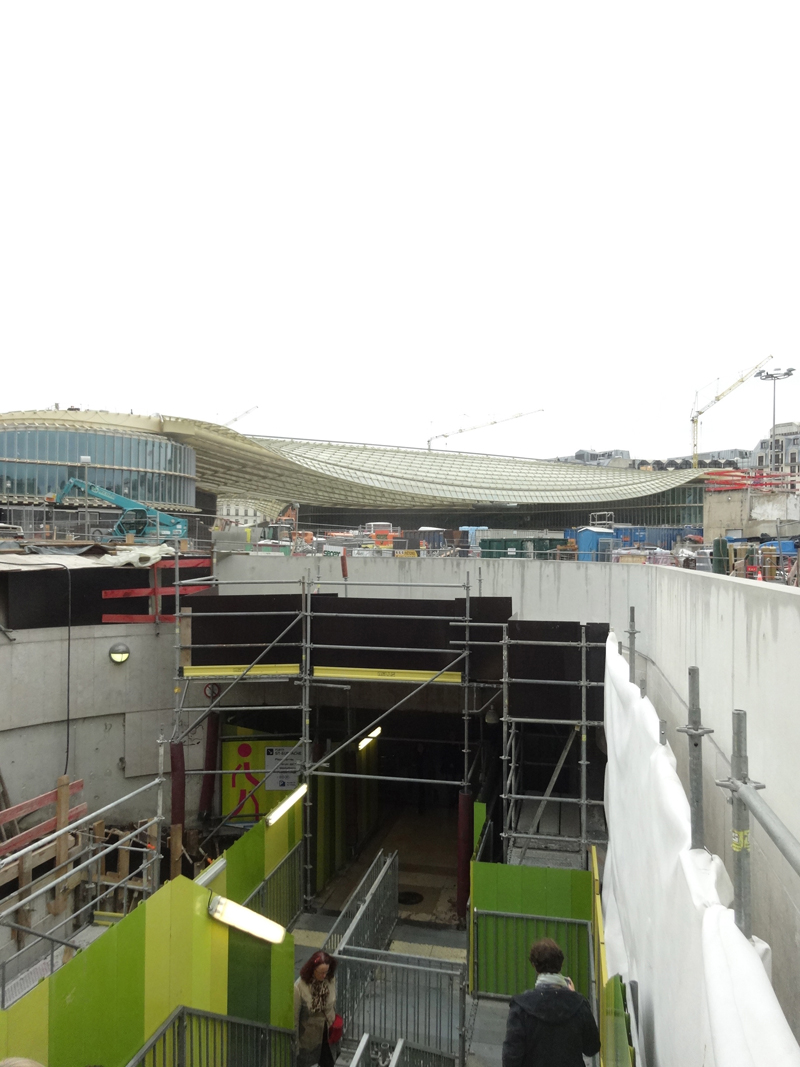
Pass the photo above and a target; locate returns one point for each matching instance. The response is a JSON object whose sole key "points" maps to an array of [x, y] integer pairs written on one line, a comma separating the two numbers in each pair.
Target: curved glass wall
{"points": [[154, 470]]}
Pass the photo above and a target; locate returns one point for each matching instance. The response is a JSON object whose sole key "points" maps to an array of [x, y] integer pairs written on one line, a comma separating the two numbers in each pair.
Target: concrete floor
{"points": [[427, 847]]}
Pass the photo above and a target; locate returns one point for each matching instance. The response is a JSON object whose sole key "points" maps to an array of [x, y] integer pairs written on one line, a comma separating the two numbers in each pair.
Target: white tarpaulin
{"points": [[705, 999]]}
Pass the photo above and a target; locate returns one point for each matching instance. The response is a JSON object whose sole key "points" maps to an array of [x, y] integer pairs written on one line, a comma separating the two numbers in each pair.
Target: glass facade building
{"points": [[36, 462]]}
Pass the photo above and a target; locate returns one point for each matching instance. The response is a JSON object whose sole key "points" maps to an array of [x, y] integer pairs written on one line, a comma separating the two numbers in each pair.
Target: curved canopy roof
{"points": [[274, 471]]}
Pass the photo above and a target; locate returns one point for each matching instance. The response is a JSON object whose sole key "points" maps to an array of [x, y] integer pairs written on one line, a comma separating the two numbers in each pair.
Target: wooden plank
{"points": [[57, 906], [138, 618], [26, 807], [23, 914], [41, 855], [165, 590], [175, 849], [27, 837], [169, 564], [62, 818]]}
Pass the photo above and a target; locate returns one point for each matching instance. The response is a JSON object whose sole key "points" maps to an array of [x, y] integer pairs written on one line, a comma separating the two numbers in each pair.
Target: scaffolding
{"points": [[297, 637]]}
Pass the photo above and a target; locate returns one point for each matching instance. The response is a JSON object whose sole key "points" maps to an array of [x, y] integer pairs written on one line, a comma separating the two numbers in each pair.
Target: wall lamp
{"points": [[119, 652], [370, 737], [283, 807], [241, 918]]}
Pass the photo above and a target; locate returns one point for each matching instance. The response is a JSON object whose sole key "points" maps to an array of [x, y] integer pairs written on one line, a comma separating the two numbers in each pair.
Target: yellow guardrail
{"points": [[615, 1050]]}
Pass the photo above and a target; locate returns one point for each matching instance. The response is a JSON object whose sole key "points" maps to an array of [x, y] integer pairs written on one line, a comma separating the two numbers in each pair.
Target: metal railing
{"points": [[390, 996], [415, 997], [280, 895], [376, 1053], [500, 951], [191, 1038], [376, 918], [354, 902]]}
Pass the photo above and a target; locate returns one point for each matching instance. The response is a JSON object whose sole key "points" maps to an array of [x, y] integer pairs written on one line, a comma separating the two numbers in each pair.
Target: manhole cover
{"points": [[409, 897]]}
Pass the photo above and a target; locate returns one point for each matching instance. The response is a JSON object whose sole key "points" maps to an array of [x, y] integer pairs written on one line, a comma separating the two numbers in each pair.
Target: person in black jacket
{"points": [[550, 1025]]}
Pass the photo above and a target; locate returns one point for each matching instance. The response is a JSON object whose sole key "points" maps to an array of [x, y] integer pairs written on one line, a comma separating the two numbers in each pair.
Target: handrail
{"points": [[344, 918], [183, 1012]]}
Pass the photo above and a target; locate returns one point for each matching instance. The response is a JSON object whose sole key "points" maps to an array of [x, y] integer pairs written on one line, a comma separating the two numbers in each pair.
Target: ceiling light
{"points": [[284, 805], [119, 652], [241, 918], [370, 737]]}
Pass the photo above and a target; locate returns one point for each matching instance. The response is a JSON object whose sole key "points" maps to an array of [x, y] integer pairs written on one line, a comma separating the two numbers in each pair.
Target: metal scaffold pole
{"points": [[465, 800], [305, 672], [695, 732], [504, 757], [583, 759], [632, 632], [740, 828]]}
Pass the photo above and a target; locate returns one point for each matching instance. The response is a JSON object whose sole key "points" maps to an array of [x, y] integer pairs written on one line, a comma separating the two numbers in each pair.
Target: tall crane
{"points": [[483, 425], [701, 411]]}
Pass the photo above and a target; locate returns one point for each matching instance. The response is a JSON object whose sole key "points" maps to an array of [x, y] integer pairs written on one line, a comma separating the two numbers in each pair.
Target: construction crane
{"points": [[248, 412], [483, 425], [701, 411]]}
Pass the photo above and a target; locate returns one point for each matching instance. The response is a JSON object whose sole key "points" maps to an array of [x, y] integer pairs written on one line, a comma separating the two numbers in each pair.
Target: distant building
{"points": [[787, 449]]}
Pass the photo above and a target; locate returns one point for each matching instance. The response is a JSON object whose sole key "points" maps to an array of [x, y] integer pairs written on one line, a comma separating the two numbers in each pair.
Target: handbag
{"points": [[335, 1031]]}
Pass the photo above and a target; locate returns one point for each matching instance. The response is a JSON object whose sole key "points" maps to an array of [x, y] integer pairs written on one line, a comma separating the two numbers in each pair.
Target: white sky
{"points": [[378, 222]]}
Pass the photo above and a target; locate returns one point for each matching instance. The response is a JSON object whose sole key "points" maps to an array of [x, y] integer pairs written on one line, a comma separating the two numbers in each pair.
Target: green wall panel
{"points": [[129, 992], [532, 890], [24, 1029], [249, 977], [282, 984], [245, 866], [156, 959], [502, 944], [479, 818]]}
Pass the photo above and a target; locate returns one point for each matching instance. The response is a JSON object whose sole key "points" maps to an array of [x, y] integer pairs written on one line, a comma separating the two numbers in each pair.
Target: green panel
{"points": [[276, 843], [157, 1005], [98, 1036], [69, 1015], [503, 942], [340, 836], [614, 1027], [129, 990], [249, 977], [245, 863], [325, 824], [479, 818], [533, 890], [24, 1027], [281, 1011]]}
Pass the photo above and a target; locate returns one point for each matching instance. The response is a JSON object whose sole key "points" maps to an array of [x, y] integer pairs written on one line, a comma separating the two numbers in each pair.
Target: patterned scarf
{"points": [[319, 994]]}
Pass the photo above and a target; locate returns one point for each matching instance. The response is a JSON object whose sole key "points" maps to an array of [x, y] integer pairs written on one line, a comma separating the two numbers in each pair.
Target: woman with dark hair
{"points": [[315, 1010]]}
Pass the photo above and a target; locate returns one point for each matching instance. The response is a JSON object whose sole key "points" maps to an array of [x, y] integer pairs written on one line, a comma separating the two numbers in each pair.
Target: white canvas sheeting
{"points": [[705, 999]]}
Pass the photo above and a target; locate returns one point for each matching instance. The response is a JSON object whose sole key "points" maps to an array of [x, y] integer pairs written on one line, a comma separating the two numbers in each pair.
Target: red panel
{"points": [[163, 590], [42, 830], [28, 806], [169, 564], [138, 618]]}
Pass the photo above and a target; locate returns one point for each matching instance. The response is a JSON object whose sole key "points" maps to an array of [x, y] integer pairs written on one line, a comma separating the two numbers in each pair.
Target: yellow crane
{"points": [[701, 411]]}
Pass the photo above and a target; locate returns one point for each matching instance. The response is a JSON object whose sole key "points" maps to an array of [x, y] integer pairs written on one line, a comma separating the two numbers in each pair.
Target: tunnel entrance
{"points": [[434, 727]]}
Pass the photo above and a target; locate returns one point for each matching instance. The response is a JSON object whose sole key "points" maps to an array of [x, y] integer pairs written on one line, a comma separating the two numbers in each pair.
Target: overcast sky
{"points": [[381, 222]]}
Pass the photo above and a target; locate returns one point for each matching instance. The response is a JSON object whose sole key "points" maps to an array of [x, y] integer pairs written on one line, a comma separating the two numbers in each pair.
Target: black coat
{"points": [[551, 1026]]}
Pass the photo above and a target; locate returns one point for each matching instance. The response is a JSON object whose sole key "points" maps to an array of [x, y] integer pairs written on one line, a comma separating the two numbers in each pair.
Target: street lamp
{"points": [[774, 376]]}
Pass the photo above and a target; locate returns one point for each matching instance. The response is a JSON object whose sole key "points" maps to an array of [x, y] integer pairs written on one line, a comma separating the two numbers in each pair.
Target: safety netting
{"points": [[703, 992]]}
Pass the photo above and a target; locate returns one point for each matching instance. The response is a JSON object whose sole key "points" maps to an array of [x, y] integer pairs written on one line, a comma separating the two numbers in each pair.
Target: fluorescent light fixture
{"points": [[284, 805], [226, 911], [370, 736]]}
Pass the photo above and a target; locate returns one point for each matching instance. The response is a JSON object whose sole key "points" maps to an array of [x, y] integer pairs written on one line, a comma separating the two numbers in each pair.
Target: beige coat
{"points": [[310, 1025]]}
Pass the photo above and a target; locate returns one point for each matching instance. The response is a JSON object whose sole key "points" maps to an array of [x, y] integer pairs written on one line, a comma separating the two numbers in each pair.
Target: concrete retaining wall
{"points": [[743, 635]]}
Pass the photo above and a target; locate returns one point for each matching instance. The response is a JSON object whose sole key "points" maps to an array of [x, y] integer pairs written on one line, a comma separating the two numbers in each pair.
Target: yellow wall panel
{"points": [[27, 1023]]}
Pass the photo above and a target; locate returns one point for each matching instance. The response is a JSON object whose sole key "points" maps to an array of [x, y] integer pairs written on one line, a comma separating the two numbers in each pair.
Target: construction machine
{"points": [[701, 411], [145, 523]]}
